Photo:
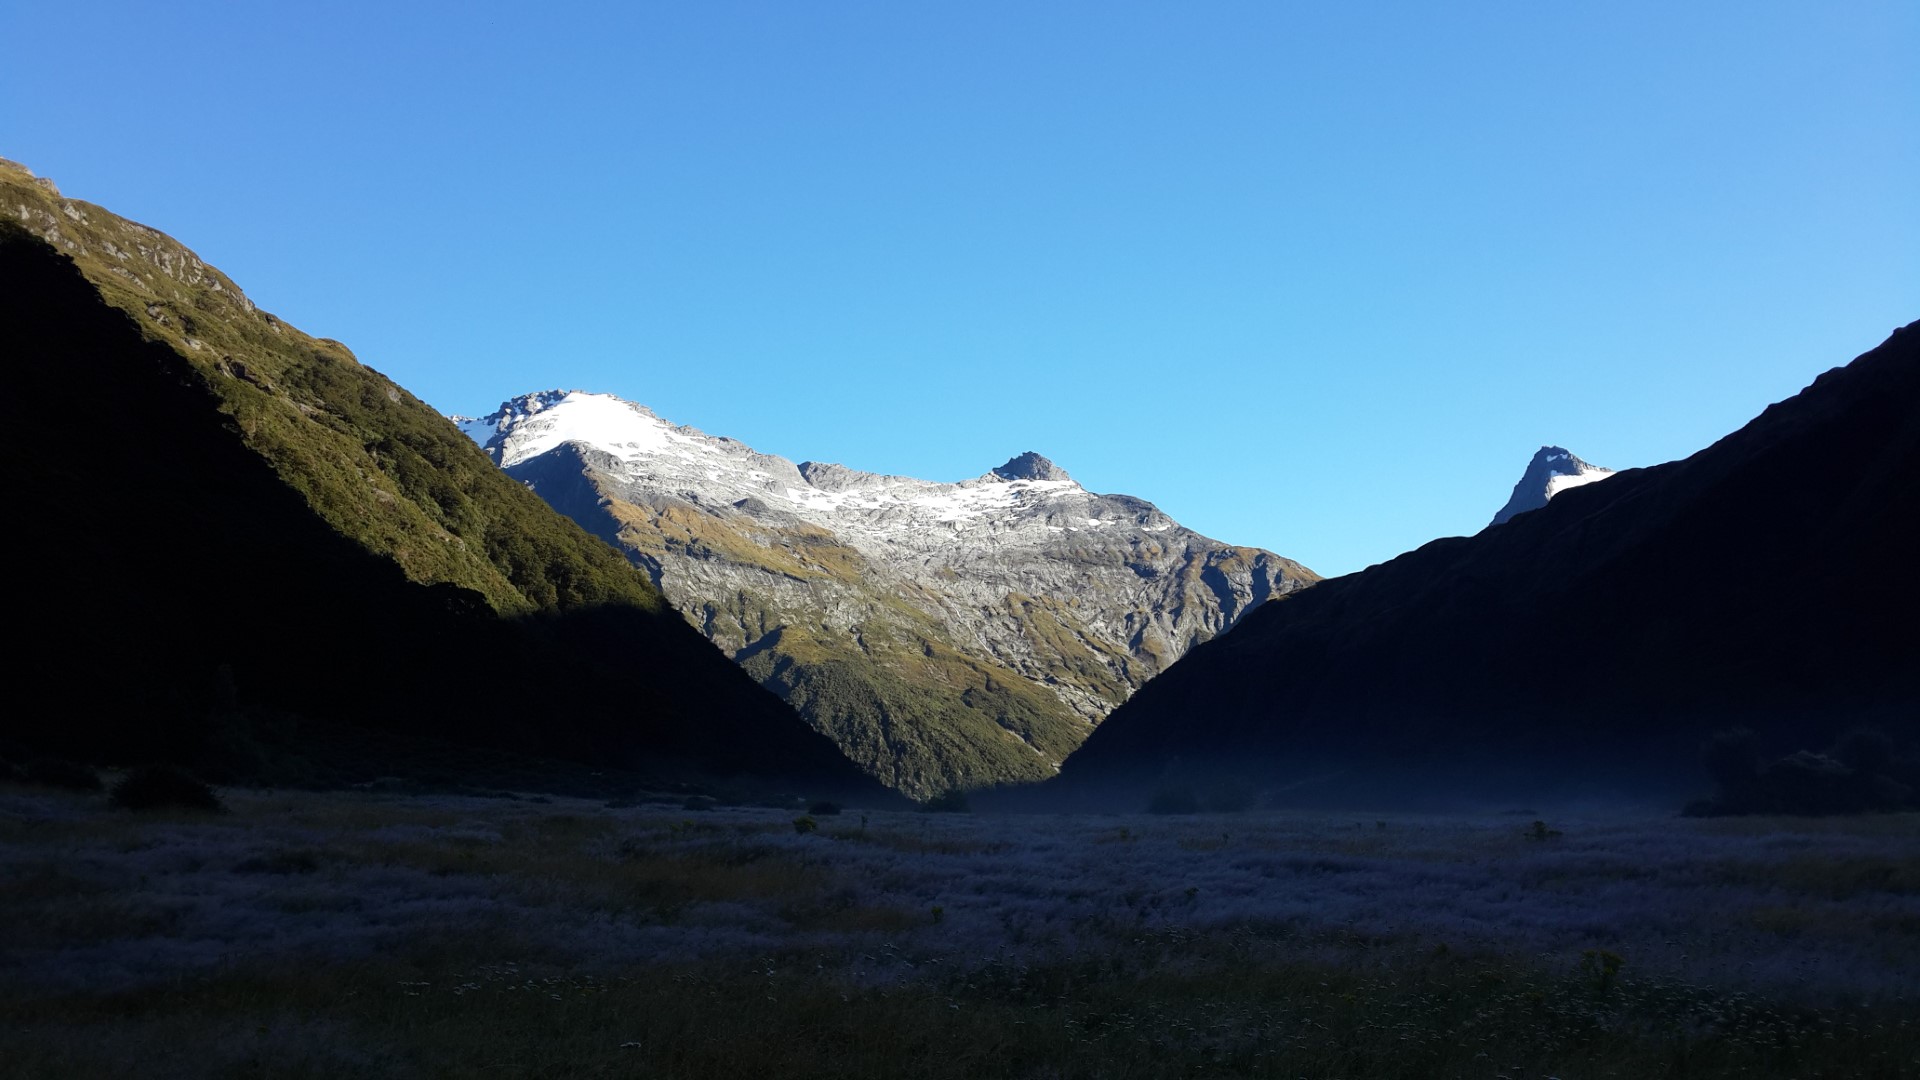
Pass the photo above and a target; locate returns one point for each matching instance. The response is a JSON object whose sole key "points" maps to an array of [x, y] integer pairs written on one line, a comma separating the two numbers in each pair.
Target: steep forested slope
{"points": [[218, 516]]}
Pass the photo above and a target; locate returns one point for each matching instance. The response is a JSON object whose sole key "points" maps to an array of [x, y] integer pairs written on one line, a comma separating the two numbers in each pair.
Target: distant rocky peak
{"points": [[534, 402], [832, 476], [531, 424], [1553, 469], [1031, 466]]}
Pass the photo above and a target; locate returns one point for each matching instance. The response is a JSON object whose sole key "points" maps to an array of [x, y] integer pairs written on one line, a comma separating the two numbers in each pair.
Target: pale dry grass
{"points": [[364, 934]]}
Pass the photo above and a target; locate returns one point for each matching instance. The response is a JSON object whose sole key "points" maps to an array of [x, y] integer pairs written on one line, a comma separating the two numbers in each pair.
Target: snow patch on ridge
{"points": [[544, 421], [1553, 470], [1560, 482], [870, 509]]}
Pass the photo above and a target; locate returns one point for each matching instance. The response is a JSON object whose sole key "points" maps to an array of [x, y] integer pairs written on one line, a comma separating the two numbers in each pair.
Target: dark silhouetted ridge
{"points": [[204, 559], [1767, 582]]}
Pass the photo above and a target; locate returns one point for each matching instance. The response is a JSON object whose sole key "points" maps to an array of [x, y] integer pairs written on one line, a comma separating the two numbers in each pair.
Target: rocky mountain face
{"points": [[1553, 470], [943, 634], [236, 535], [1767, 582]]}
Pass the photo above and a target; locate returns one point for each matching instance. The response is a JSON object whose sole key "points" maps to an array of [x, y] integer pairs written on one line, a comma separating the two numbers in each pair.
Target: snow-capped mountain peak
{"points": [[995, 617], [685, 462], [1553, 470], [532, 424]]}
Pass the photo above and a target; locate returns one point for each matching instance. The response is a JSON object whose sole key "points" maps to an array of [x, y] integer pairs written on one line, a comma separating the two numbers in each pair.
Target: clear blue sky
{"points": [[1314, 277]]}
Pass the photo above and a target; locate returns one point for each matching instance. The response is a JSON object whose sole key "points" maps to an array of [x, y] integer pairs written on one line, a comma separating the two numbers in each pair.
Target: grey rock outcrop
{"points": [[1553, 469], [947, 634]]}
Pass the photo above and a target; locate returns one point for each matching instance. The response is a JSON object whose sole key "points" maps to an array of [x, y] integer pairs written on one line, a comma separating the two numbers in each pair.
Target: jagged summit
{"points": [[1031, 466], [945, 634], [1553, 469]]}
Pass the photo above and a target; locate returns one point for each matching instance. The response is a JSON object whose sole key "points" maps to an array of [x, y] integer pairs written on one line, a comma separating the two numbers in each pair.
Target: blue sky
{"points": [[1318, 278]]}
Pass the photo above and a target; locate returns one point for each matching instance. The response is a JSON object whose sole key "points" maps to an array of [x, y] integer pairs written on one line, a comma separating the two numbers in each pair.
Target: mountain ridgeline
{"points": [[238, 536], [1553, 470], [1590, 644], [943, 634]]}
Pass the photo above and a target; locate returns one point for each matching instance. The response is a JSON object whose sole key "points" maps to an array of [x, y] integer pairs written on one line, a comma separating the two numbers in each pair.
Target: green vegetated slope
{"points": [[374, 462], [896, 696], [224, 516], [981, 663]]}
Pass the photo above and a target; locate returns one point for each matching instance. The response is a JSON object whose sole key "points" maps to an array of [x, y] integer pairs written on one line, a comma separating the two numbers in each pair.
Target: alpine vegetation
{"points": [[942, 634], [361, 933], [298, 554]]}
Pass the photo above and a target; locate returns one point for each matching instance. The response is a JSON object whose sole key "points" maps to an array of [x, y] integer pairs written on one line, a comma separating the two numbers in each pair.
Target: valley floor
{"points": [[348, 934]]}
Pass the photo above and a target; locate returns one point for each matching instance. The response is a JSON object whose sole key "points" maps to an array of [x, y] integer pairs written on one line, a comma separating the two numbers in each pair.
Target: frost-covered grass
{"points": [[343, 934]]}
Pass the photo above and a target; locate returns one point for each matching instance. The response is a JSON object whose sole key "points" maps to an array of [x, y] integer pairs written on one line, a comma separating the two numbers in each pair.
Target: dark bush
{"points": [[156, 787], [824, 809], [61, 773], [700, 802], [1809, 783], [1865, 771]]}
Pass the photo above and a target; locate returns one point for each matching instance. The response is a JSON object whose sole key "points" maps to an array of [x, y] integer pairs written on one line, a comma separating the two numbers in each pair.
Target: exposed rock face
{"points": [[1553, 470], [1766, 582], [1031, 466], [945, 634]]}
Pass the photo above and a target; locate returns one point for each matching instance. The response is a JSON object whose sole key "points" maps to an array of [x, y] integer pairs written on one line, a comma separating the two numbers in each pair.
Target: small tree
{"points": [[155, 787]]}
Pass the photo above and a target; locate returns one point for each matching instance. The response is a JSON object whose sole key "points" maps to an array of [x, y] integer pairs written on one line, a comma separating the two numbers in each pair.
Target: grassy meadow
{"points": [[359, 933]]}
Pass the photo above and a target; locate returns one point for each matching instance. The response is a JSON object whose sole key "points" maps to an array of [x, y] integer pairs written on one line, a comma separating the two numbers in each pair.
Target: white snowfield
{"points": [[1587, 474], [877, 515]]}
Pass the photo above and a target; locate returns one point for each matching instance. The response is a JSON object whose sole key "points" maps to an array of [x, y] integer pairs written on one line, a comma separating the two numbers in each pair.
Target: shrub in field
{"points": [[805, 825], [1865, 771], [155, 787], [60, 773], [1600, 967]]}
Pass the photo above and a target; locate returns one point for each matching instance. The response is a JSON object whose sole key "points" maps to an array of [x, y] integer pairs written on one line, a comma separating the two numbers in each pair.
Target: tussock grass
{"points": [[365, 935]]}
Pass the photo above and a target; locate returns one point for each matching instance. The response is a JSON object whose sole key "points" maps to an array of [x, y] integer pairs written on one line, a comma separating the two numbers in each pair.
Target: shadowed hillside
{"points": [[1768, 582], [230, 530]]}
